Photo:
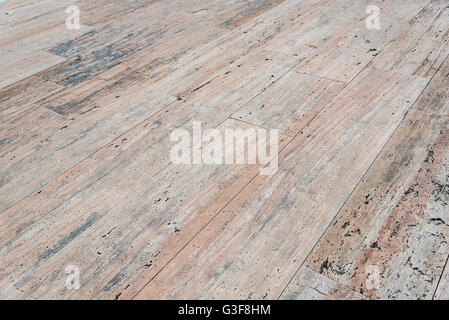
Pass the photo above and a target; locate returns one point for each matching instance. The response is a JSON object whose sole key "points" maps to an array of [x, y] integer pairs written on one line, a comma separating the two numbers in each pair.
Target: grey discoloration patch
{"points": [[85, 66], [68, 238], [114, 281]]}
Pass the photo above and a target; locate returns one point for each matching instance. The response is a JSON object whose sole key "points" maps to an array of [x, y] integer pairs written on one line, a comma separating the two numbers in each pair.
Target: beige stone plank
{"points": [[19, 70], [235, 14], [107, 45], [392, 220], [422, 46], [94, 13], [16, 13], [47, 13], [22, 10], [290, 103], [96, 185], [23, 129], [23, 94], [265, 233], [310, 285]]}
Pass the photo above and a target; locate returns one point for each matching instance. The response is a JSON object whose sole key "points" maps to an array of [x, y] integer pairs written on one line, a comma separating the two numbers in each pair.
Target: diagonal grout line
{"points": [[442, 273], [23, 107], [355, 188], [320, 77], [439, 280], [251, 124]]}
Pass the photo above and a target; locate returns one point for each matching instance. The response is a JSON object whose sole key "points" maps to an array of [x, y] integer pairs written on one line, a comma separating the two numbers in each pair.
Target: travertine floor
{"points": [[358, 207]]}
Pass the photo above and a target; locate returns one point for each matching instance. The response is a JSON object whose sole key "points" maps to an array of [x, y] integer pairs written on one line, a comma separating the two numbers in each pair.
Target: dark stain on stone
{"points": [[324, 266]]}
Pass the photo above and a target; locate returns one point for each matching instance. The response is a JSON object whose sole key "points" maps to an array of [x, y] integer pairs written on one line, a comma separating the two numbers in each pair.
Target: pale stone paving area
{"points": [[358, 208]]}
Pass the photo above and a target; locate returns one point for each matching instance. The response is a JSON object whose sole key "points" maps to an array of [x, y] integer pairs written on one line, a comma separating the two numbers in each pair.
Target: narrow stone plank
{"points": [[94, 13], [17, 71], [37, 27], [290, 103], [396, 218], [18, 14], [310, 285], [108, 44], [24, 93], [261, 238], [223, 53], [422, 46], [21, 130]]}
